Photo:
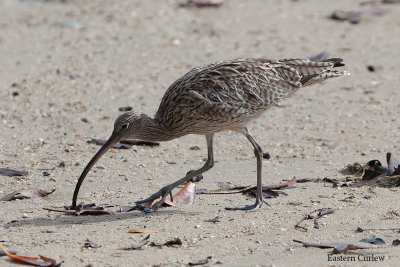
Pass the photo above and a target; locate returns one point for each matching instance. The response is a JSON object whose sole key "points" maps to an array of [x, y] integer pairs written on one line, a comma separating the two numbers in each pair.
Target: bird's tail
{"points": [[316, 71]]}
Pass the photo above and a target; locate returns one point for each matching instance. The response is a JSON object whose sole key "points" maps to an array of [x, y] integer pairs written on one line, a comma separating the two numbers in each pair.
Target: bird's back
{"points": [[228, 94]]}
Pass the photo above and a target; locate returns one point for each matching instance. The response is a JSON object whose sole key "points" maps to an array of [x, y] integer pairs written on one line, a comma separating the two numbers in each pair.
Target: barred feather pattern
{"points": [[228, 94]]}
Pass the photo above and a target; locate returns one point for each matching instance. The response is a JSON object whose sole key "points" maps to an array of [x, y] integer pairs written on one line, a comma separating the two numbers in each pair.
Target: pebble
{"points": [[371, 68], [24, 215], [266, 155]]}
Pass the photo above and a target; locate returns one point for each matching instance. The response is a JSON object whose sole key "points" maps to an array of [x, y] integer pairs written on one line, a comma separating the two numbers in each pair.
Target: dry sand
{"points": [[82, 60]]}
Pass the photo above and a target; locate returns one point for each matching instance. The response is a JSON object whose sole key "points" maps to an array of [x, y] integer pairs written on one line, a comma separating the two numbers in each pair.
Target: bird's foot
{"points": [[157, 199], [253, 207]]}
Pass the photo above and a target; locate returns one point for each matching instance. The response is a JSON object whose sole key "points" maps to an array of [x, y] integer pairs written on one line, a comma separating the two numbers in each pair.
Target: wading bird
{"points": [[225, 95]]}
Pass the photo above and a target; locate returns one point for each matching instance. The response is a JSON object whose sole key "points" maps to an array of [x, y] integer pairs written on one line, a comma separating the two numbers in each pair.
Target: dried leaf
{"points": [[84, 210], [142, 231], [338, 247], [373, 240], [10, 172], [27, 193], [139, 244], [246, 189], [29, 260]]}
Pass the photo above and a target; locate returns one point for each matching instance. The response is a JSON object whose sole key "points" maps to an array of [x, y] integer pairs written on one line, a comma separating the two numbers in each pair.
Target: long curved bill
{"points": [[114, 139]]}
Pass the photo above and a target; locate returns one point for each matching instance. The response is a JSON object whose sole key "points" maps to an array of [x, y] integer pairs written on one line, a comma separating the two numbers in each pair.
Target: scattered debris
{"points": [[396, 242], [26, 193], [337, 247], [81, 209], [123, 144], [142, 231], [353, 169], [10, 172], [374, 174], [139, 244], [202, 3], [361, 230], [350, 16], [101, 142], [200, 262], [214, 220], [373, 240], [123, 109], [89, 244], [267, 190], [316, 214], [176, 242], [185, 196], [30, 260]]}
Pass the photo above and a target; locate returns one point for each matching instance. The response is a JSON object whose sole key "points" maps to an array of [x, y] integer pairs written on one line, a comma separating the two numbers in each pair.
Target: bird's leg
{"points": [[258, 153], [166, 190]]}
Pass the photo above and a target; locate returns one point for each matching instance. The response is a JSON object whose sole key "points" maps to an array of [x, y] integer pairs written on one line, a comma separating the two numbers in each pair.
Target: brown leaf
{"points": [[27, 193], [30, 260], [337, 247], [82, 210], [10, 172], [139, 244]]}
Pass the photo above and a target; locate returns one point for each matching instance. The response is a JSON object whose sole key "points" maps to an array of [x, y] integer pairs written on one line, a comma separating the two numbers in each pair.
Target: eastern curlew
{"points": [[225, 95]]}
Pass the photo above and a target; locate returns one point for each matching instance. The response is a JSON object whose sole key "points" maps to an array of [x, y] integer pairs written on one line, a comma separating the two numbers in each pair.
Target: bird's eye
{"points": [[125, 126]]}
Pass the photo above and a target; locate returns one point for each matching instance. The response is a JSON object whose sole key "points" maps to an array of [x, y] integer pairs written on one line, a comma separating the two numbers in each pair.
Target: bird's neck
{"points": [[154, 130]]}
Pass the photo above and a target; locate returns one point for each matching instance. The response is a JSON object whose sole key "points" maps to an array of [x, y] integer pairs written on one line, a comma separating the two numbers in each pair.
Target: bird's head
{"points": [[126, 126]]}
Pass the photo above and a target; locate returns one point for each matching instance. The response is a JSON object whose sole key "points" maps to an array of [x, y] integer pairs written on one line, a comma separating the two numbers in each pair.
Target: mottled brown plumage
{"points": [[220, 96]]}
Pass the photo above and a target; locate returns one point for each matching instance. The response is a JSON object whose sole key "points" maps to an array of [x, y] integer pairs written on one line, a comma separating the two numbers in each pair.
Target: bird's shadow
{"points": [[73, 219]]}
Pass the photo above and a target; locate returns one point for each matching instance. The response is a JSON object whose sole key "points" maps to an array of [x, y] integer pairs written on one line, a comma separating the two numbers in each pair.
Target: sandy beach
{"points": [[66, 67]]}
